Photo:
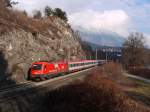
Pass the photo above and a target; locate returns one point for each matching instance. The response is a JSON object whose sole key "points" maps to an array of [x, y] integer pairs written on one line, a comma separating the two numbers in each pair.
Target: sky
{"points": [[119, 16]]}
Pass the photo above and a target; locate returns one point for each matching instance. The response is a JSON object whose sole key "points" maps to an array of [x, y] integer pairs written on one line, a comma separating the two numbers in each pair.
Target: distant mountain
{"points": [[111, 49], [96, 46], [102, 38]]}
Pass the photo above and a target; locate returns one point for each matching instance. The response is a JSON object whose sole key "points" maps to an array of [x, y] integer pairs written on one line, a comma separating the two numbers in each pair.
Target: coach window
{"points": [[73, 65]]}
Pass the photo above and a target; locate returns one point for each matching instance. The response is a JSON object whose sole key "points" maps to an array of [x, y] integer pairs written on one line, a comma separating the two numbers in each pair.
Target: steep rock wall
{"points": [[20, 47]]}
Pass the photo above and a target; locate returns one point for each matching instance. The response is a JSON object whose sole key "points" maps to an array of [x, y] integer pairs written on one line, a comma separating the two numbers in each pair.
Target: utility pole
{"points": [[106, 56], [96, 54]]}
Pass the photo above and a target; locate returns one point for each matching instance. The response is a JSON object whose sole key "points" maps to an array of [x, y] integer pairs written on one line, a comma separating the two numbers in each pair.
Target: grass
{"points": [[98, 93], [137, 90], [141, 92]]}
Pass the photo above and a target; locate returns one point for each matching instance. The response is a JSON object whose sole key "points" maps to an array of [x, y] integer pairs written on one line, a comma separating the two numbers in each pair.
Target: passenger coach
{"points": [[45, 70]]}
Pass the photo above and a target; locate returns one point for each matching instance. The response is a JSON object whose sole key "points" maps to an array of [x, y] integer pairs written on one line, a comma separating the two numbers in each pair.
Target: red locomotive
{"points": [[48, 69]]}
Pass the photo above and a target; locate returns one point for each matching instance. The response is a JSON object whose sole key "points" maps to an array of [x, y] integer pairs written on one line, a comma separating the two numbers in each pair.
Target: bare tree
{"points": [[134, 50]]}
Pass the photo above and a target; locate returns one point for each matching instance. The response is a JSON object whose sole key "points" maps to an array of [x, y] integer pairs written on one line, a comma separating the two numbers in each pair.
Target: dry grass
{"points": [[135, 89], [114, 71], [11, 19], [96, 94], [141, 92]]}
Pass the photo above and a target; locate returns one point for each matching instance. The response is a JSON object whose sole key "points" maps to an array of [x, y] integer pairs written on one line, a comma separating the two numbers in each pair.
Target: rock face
{"points": [[20, 47]]}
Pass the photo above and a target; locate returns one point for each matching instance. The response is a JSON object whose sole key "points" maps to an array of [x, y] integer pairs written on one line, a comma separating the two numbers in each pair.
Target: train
{"points": [[45, 70]]}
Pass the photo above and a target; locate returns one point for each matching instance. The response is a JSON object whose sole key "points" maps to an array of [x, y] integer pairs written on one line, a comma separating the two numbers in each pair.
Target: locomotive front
{"points": [[47, 70], [37, 70]]}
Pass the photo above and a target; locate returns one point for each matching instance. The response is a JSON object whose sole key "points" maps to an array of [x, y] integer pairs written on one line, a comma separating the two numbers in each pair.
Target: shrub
{"points": [[96, 94]]}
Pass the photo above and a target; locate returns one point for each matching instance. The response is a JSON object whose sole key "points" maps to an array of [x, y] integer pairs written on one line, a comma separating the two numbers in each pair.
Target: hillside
{"points": [[104, 90], [24, 40]]}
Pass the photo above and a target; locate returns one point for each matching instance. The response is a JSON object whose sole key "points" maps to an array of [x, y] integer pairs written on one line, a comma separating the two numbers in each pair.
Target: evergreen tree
{"points": [[48, 11], [61, 14]]}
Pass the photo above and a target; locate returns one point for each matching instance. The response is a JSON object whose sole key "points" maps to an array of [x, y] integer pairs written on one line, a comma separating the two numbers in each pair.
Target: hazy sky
{"points": [[120, 16]]}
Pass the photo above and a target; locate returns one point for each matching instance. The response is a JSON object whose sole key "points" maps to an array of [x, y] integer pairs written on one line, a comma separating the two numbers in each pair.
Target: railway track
{"points": [[30, 87], [14, 86]]}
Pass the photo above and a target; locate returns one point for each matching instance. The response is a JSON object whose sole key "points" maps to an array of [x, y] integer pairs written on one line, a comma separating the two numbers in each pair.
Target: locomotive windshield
{"points": [[37, 67]]}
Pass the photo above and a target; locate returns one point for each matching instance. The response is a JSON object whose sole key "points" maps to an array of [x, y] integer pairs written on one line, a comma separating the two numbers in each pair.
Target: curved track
{"points": [[13, 91]]}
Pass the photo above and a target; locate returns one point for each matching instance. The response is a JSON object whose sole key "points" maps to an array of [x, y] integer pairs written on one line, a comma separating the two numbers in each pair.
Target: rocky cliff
{"points": [[24, 40]]}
